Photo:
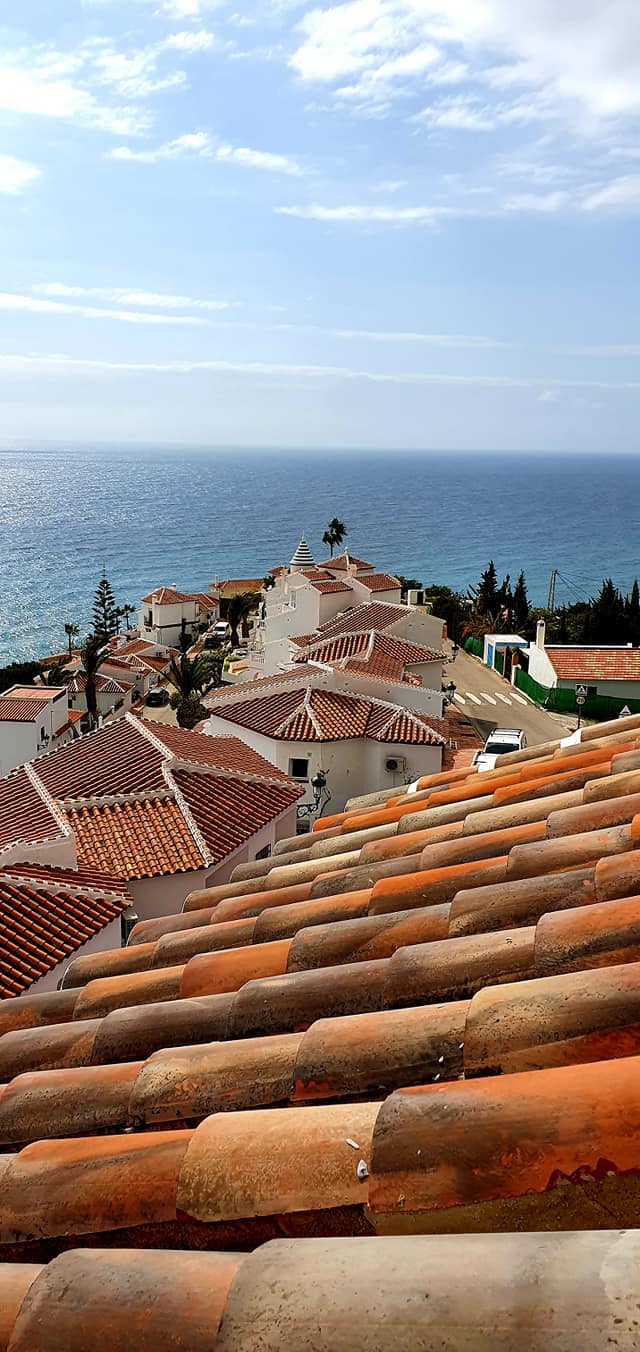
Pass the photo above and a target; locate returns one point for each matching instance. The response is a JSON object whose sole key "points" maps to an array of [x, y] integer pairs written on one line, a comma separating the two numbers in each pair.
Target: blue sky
{"points": [[394, 223]]}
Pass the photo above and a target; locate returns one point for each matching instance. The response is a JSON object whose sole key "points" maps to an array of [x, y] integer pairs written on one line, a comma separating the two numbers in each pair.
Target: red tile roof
{"points": [[167, 596], [19, 707], [380, 582], [45, 915], [140, 839], [229, 811], [328, 588], [594, 664], [105, 685], [380, 656], [305, 714], [340, 562], [25, 815], [227, 754], [149, 829], [378, 615]]}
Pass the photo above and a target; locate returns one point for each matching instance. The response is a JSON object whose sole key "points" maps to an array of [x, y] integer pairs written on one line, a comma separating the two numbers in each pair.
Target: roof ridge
{"points": [[308, 705], [149, 736], [294, 714], [49, 885], [185, 809], [74, 804], [48, 799]]}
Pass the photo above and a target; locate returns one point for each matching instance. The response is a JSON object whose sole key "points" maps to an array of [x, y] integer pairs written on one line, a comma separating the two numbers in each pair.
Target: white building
{"points": [[308, 600], [310, 719], [166, 613], [33, 719], [113, 697], [604, 669]]}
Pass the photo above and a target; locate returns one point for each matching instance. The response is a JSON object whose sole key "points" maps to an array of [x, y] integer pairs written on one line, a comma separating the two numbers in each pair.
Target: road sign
{"points": [[580, 700], [625, 713], [581, 690]]}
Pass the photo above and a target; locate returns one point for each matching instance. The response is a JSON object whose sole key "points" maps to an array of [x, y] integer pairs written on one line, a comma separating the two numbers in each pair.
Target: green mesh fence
{"points": [[599, 707], [473, 645]]}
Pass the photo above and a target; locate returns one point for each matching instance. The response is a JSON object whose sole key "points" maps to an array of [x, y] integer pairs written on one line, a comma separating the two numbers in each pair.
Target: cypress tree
{"points": [[105, 620], [520, 604], [487, 593]]}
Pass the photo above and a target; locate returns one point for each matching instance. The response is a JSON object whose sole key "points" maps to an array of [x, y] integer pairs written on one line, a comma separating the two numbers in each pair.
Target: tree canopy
{"points": [[334, 534], [105, 615]]}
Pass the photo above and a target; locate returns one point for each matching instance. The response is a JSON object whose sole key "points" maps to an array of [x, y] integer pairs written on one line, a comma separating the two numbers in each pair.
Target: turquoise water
{"points": [[155, 516]]}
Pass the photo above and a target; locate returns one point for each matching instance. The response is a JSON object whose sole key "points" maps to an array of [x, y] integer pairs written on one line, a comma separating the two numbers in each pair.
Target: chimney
{"points": [[540, 633]]}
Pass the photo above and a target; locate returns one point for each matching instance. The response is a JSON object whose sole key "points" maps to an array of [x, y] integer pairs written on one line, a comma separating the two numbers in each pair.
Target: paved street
{"points": [[490, 702]]}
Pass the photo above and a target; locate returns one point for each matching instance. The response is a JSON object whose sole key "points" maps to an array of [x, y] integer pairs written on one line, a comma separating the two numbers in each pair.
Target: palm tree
{"points": [[238, 610], [128, 610], [92, 658], [72, 631], [190, 677], [334, 534], [55, 674]]}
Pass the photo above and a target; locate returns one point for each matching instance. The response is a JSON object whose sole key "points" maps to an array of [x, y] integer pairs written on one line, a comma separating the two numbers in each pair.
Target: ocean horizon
{"points": [[162, 514]]}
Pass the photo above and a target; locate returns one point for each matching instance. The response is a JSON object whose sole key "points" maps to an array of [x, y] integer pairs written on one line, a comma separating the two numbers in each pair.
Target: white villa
{"points": [[166, 613], [33, 719]]}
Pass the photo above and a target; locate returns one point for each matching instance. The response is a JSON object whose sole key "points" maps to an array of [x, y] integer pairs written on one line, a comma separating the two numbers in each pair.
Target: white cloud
{"points": [[622, 194], [361, 213], [580, 58], [121, 295], [16, 175], [186, 9], [445, 340], [201, 41], [538, 202], [459, 114], [56, 362], [35, 305], [199, 143]]}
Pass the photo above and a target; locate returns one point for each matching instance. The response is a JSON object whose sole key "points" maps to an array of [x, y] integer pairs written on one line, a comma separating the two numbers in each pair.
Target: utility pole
{"points": [[551, 594]]}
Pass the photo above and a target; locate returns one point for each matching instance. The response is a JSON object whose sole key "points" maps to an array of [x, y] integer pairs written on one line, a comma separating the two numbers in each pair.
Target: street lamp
{"points": [[454, 653], [448, 692], [321, 796]]}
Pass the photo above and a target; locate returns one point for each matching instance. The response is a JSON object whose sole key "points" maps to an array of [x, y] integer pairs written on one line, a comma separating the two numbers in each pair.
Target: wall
{"points": [[418, 627], [18, 743], [109, 937], [540, 667], [58, 853], [613, 689]]}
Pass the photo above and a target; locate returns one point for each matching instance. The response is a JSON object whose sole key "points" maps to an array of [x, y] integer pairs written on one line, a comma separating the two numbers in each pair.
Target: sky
{"points": [[380, 223]]}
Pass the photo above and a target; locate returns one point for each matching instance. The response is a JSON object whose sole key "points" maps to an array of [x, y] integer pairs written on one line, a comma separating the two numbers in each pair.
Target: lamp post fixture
{"points": [[321, 796], [454, 653], [448, 692]]}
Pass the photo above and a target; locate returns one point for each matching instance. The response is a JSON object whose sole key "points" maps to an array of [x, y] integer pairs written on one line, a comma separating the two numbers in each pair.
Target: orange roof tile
{"points": [[378, 615], [25, 814], [340, 562], [230, 811], [594, 664], [46, 914], [167, 596], [139, 839], [305, 714], [380, 582], [18, 706], [328, 588]]}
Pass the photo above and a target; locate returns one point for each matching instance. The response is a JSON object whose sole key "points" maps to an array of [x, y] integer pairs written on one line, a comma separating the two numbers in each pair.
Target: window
{"points": [[298, 768], [264, 854]]}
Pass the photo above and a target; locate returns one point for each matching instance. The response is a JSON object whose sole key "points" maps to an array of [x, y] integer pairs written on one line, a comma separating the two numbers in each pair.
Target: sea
{"points": [[159, 515]]}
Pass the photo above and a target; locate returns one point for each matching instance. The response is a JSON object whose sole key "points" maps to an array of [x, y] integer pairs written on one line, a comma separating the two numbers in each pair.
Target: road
{"points": [[489, 701]]}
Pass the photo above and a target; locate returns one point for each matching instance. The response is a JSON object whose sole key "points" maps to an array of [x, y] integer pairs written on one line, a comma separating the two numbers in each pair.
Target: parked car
{"points": [[156, 698], [218, 635], [497, 744]]}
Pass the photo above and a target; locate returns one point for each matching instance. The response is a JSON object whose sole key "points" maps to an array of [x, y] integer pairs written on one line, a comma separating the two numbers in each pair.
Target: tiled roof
{"points": [[167, 596], [441, 985], [380, 582], [362, 619], [228, 754], [340, 562], [595, 664], [232, 586], [105, 685], [229, 811], [45, 915], [205, 600], [134, 645], [25, 814], [115, 759], [327, 588], [17, 707], [381, 656], [305, 714], [115, 791], [139, 839]]}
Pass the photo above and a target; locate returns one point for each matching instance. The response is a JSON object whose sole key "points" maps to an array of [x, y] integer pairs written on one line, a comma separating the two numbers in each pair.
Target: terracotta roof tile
{"points": [[114, 759], [20, 709], [24, 813], [230, 811], [227, 754], [305, 714], [380, 582], [377, 615], [167, 596], [45, 915], [595, 664], [379, 655], [340, 562], [140, 839]]}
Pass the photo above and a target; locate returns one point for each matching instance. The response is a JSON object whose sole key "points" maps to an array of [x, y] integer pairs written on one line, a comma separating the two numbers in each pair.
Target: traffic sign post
{"points": [[581, 698]]}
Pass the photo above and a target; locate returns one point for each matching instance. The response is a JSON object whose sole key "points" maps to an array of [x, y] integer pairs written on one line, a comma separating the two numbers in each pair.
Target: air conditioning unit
{"points": [[394, 764]]}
